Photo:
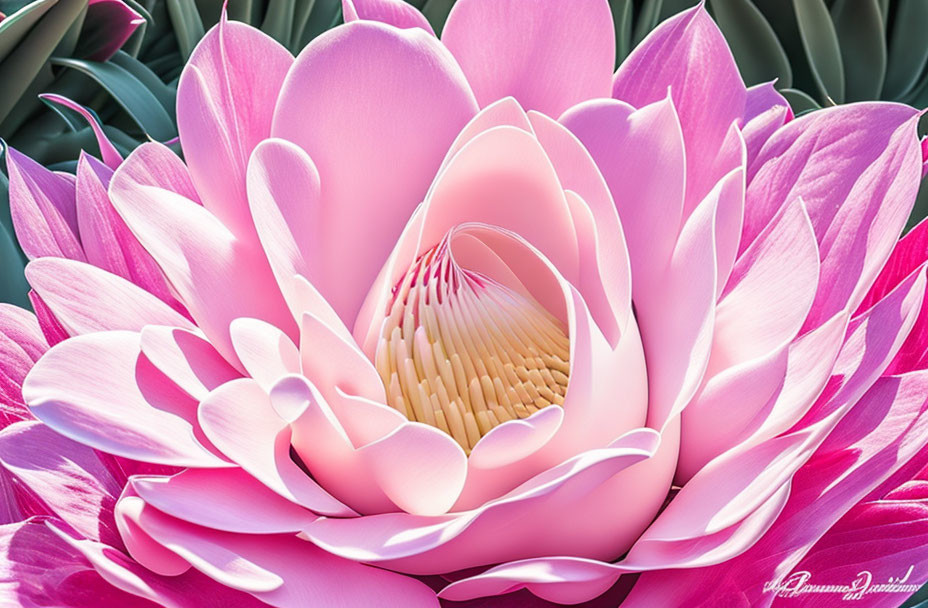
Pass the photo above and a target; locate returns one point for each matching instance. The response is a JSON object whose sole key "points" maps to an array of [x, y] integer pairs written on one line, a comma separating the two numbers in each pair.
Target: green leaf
{"points": [[167, 96], [859, 25], [24, 62], [14, 28], [920, 598], [13, 285], [436, 11], [754, 44], [821, 45], [622, 21], [908, 48], [187, 25], [648, 16], [134, 97], [304, 9], [800, 102], [278, 20]]}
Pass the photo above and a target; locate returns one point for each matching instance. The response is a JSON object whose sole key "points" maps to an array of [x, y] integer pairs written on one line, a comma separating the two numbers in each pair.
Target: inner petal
{"points": [[464, 353]]}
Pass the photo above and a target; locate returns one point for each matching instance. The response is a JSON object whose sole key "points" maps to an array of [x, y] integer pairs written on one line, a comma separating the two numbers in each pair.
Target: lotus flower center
{"points": [[463, 353]]}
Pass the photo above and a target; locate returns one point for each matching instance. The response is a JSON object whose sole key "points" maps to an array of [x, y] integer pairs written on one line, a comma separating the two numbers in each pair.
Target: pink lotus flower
{"points": [[399, 339]]}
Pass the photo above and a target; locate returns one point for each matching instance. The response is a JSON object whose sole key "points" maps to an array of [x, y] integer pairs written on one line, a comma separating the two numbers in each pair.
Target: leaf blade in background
{"points": [[860, 29], [821, 45], [758, 52]]}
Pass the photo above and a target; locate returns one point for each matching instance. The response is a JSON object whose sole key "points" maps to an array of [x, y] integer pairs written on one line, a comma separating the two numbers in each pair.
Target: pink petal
{"points": [[185, 494], [108, 25], [95, 389], [68, 477], [239, 419], [21, 345], [549, 56], [392, 12], [423, 104], [225, 102], [42, 208], [108, 151], [688, 55], [282, 570], [51, 327], [86, 299], [198, 254], [761, 98], [266, 352], [857, 169], [188, 359]]}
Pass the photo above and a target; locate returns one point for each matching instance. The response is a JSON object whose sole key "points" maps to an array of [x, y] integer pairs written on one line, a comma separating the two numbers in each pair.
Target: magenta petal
{"points": [[392, 12], [42, 208], [107, 26], [108, 151], [688, 55], [21, 345], [548, 55], [225, 102], [357, 140]]}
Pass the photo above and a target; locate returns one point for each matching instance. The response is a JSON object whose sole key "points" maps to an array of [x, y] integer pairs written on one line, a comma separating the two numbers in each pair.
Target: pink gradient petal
{"points": [[135, 413], [186, 358], [107, 241], [108, 25], [549, 56], [423, 102], [392, 12], [183, 496], [108, 151], [239, 419], [761, 98], [282, 570], [154, 164], [197, 253], [688, 55], [50, 326], [225, 103], [67, 477], [43, 209], [86, 299], [265, 351], [21, 345], [857, 168]]}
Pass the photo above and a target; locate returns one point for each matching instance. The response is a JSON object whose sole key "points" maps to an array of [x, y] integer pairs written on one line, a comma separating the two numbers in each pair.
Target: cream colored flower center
{"points": [[463, 353]]}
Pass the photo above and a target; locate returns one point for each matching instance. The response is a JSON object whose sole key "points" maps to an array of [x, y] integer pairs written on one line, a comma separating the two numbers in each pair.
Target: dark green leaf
{"points": [[187, 25], [859, 26], [622, 20], [167, 96], [821, 45], [759, 54], [278, 20], [134, 97], [436, 11], [304, 9], [908, 48], [14, 28], [647, 18]]}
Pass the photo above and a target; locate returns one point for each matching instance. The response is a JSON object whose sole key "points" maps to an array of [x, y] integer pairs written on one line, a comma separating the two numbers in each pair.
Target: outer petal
{"points": [[548, 55], [95, 389], [688, 55], [21, 345], [42, 208], [422, 103], [86, 299], [225, 103], [108, 25], [392, 12], [857, 167]]}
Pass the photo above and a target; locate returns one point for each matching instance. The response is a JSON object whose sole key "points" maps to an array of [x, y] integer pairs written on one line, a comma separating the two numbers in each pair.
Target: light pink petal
{"points": [[185, 494], [188, 359], [605, 274], [506, 528], [42, 208], [198, 254], [86, 299], [392, 12], [761, 98], [641, 156], [154, 164], [21, 345], [760, 129], [108, 151], [688, 55], [67, 477], [857, 169], [225, 103], [505, 112], [96, 390], [281, 570], [116, 573], [549, 56], [107, 241], [423, 103], [239, 419], [266, 352]]}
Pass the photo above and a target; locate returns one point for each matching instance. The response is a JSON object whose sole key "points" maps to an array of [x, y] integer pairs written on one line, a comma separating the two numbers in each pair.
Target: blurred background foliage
{"points": [[122, 58]]}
